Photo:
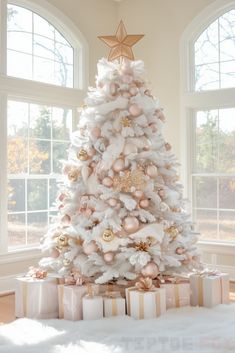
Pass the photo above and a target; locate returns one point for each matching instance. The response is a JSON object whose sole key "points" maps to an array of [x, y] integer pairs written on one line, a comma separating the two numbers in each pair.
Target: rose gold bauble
{"points": [[180, 251], [66, 219], [126, 94], [88, 212], [150, 270], [167, 146], [130, 148], [119, 165], [131, 224], [91, 152], [144, 203], [162, 193], [118, 206], [127, 78], [135, 110], [89, 248], [153, 127], [95, 131], [151, 171], [108, 256], [112, 202], [55, 253], [107, 181], [138, 194], [133, 90]]}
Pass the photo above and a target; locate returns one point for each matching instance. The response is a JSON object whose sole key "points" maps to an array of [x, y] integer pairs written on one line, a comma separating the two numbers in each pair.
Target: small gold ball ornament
{"points": [[73, 174], [172, 231], [82, 155], [108, 235], [62, 240], [66, 262]]}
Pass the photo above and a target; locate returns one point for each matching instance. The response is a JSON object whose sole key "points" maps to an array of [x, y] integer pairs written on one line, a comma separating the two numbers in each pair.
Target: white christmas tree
{"points": [[120, 210]]}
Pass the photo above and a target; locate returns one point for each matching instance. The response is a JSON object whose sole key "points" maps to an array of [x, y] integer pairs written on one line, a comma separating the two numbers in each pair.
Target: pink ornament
{"points": [[151, 171], [55, 253], [150, 270], [130, 148], [96, 132], [66, 219], [91, 152], [133, 90], [180, 251], [61, 197], [162, 193], [108, 256], [131, 224], [89, 248], [135, 110], [126, 95], [153, 127], [127, 78], [107, 181], [168, 146], [138, 194], [119, 165], [112, 202], [144, 203], [160, 115], [88, 212]]}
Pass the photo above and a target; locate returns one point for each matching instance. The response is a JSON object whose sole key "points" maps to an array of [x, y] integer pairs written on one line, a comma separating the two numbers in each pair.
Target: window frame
{"points": [[12, 88], [192, 101]]}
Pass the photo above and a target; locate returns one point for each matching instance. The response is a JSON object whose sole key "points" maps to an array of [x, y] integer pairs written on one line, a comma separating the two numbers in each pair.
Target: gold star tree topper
{"points": [[121, 44]]}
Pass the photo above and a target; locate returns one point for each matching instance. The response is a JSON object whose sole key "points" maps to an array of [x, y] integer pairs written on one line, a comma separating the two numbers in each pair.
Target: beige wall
{"points": [[162, 22]]}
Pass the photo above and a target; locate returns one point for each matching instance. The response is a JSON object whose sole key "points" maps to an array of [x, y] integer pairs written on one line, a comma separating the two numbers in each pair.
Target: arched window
{"points": [[208, 121], [42, 83]]}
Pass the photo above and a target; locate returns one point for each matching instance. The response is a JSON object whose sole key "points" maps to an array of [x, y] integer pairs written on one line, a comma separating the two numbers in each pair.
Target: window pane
{"points": [[206, 46], [227, 25], [206, 141], [16, 230], [37, 226], [227, 225], [59, 154], [16, 195], [228, 74], [49, 56], [40, 121], [227, 49], [39, 157], [226, 140], [61, 123], [17, 155], [207, 77], [37, 194], [227, 193], [206, 224], [53, 190], [17, 121], [205, 192]]}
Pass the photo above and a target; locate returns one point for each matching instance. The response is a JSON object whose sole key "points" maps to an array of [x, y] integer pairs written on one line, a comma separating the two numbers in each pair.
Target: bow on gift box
{"points": [[75, 278], [36, 273], [145, 284], [162, 279]]}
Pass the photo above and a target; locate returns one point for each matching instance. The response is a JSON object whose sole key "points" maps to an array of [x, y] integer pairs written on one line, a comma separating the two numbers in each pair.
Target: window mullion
{"points": [[3, 174]]}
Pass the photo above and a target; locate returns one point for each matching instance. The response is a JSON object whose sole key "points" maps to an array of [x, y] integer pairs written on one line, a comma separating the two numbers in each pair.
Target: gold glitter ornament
{"points": [[172, 231], [108, 235], [128, 180], [82, 155], [66, 262], [142, 246], [126, 122], [73, 174], [62, 240]]}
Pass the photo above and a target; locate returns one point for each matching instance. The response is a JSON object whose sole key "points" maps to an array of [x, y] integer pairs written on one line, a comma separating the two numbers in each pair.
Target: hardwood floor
{"points": [[7, 305]]}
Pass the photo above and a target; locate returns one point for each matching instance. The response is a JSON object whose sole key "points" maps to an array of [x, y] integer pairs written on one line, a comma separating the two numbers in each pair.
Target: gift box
{"points": [[116, 287], [209, 289], [177, 294], [114, 304], [92, 307], [144, 301], [36, 298], [70, 300]]}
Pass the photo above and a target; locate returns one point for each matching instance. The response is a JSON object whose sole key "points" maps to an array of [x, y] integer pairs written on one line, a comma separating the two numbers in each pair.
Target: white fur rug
{"points": [[185, 330]]}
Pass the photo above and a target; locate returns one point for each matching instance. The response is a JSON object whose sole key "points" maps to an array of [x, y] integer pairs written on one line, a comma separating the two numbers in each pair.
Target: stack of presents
{"points": [[43, 296]]}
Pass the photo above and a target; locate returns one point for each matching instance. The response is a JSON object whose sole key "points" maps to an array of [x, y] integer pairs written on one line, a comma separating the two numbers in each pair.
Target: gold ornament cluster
{"points": [[108, 235], [128, 180]]}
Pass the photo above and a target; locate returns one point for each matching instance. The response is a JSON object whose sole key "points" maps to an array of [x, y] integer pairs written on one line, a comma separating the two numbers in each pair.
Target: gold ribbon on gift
{"points": [[25, 297], [61, 301], [114, 306], [177, 295]]}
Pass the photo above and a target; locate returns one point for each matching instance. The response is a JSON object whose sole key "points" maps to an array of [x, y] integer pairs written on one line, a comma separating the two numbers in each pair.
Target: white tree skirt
{"points": [[185, 330]]}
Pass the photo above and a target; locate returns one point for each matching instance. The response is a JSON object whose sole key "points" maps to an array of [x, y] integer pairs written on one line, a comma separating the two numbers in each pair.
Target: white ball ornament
{"points": [[107, 181], [151, 171], [130, 148], [119, 165], [112, 202], [131, 224], [144, 203], [90, 248], [135, 110], [138, 194], [150, 270], [108, 256]]}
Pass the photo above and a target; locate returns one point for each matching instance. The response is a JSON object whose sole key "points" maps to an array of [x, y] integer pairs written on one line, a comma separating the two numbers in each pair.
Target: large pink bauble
{"points": [[89, 248], [135, 110], [95, 132], [119, 165], [151, 171], [138, 194], [112, 202], [131, 224], [150, 270], [127, 78], [108, 256], [133, 90], [107, 181], [55, 253], [130, 148], [126, 94], [144, 203]]}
